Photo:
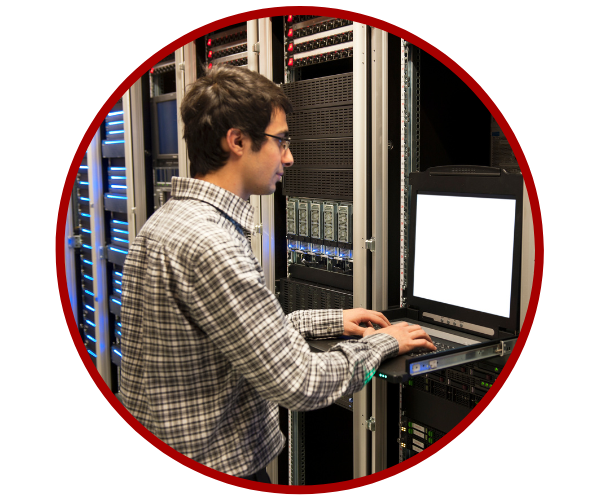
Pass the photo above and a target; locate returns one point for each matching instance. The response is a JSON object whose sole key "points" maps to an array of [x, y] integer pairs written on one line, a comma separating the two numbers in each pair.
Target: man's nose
{"points": [[288, 158]]}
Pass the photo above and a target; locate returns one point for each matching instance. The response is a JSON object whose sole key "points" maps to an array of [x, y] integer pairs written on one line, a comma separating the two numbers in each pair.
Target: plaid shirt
{"points": [[208, 354]]}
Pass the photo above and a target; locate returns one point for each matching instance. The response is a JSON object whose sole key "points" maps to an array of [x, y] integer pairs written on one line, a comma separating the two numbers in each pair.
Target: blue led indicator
{"points": [[118, 177], [92, 353], [119, 333], [115, 221], [119, 325], [90, 308], [116, 301], [89, 293], [85, 215], [83, 167], [117, 169], [86, 231], [84, 199], [113, 113], [120, 231], [118, 273], [117, 352], [121, 240], [84, 183], [91, 338], [118, 186], [116, 123], [116, 132], [118, 283], [88, 277], [114, 142], [119, 250], [90, 323], [88, 262], [116, 197], [87, 246], [118, 291]]}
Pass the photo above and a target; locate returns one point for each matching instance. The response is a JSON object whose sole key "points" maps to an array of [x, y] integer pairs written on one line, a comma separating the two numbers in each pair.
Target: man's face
{"points": [[264, 168]]}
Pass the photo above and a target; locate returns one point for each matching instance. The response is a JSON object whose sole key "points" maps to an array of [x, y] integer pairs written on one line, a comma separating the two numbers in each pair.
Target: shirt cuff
{"points": [[318, 323], [386, 345]]}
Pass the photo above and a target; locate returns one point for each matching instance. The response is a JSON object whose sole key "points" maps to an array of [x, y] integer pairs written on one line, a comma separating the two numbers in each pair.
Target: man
{"points": [[208, 354]]}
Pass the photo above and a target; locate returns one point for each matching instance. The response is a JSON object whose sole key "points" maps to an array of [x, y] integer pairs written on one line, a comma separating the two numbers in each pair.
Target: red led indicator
{"points": [[290, 33], [291, 47], [151, 70], [210, 53], [290, 19], [291, 61], [209, 43], [209, 65]]}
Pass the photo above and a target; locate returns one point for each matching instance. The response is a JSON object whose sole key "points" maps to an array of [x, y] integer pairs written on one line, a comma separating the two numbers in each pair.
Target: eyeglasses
{"points": [[284, 142]]}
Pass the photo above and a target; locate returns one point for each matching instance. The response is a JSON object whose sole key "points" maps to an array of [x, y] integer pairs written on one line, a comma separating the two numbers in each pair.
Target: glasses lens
{"points": [[284, 142]]}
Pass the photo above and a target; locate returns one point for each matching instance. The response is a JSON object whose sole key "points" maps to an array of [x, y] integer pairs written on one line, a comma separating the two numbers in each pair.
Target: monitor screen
{"points": [[166, 114], [463, 250]]}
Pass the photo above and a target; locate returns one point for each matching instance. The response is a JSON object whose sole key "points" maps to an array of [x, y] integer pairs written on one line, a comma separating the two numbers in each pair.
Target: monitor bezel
{"points": [[502, 186]]}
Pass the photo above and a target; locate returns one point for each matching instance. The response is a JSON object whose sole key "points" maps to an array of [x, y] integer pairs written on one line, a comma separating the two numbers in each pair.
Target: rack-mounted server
{"points": [[228, 46]]}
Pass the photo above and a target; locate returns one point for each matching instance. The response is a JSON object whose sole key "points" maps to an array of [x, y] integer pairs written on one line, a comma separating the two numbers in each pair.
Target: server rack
{"points": [[99, 188], [375, 122], [125, 176]]}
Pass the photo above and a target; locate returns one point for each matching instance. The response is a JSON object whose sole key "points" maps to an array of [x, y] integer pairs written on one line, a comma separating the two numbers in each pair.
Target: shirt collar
{"points": [[225, 201]]}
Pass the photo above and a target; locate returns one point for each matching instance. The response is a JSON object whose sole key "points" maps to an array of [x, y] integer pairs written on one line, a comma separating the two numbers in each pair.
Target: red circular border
{"points": [[273, 12]]}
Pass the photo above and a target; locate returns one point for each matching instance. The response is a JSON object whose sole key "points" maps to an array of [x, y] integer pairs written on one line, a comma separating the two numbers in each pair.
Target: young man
{"points": [[208, 354]]}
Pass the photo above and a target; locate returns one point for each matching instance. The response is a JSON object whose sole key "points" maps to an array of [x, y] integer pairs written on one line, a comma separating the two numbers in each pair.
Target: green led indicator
{"points": [[430, 433], [430, 440], [496, 370], [483, 384], [410, 382], [410, 424], [410, 431]]}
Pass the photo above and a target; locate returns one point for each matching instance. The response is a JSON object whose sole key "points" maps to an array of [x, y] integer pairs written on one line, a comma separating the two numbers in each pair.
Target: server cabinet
{"points": [[118, 186], [350, 126]]}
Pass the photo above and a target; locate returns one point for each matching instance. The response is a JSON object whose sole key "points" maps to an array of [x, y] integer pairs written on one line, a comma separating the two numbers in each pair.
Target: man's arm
{"points": [[318, 323], [242, 318]]}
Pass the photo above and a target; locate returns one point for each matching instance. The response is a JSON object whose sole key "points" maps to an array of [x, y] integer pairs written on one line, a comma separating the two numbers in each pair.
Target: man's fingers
{"points": [[378, 318], [415, 331]]}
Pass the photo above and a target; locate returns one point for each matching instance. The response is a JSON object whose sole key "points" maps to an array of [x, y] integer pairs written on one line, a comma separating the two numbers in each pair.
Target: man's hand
{"points": [[353, 318], [409, 337]]}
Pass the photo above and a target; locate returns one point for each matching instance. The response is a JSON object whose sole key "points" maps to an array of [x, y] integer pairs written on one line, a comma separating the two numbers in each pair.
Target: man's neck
{"points": [[225, 178]]}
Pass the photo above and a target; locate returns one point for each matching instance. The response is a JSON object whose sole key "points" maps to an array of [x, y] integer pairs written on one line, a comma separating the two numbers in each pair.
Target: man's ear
{"points": [[234, 141]]}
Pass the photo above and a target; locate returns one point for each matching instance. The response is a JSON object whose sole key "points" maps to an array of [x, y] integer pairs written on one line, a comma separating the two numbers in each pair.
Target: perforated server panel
{"points": [[321, 127], [300, 295]]}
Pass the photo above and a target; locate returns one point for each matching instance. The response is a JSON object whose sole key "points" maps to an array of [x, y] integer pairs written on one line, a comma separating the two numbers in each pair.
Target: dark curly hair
{"points": [[227, 97]]}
